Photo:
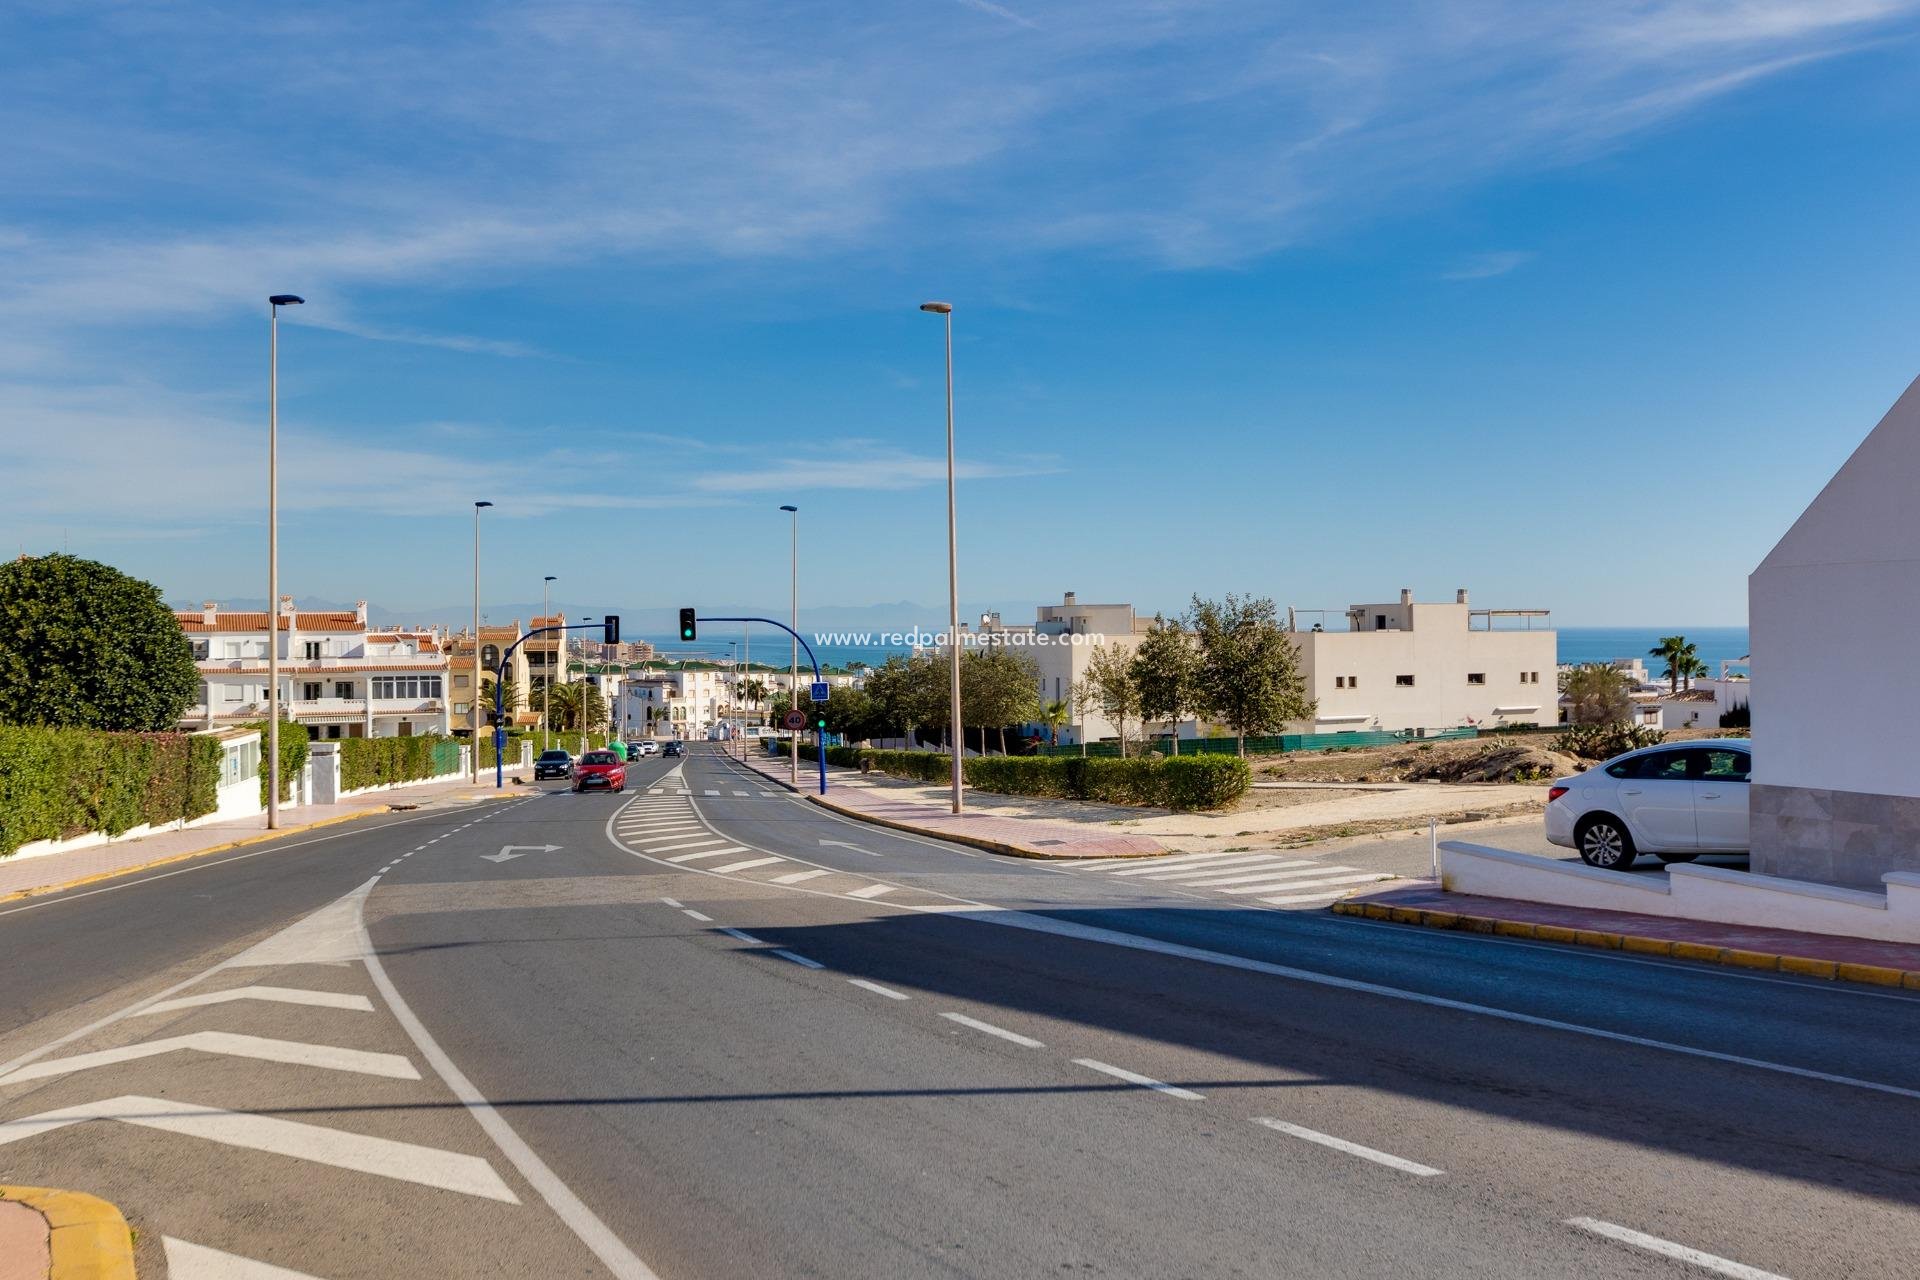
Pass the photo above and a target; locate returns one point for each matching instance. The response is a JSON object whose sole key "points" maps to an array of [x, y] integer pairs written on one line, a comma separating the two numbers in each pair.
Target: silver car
{"points": [[1675, 802]]}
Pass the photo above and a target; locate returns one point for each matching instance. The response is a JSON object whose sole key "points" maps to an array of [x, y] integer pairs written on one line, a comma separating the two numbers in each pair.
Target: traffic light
{"points": [[612, 625], [820, 721], [686, 624]]}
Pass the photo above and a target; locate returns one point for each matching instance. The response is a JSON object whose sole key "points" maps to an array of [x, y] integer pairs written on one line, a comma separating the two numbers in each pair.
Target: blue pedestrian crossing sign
{"points": [[820, 691]]}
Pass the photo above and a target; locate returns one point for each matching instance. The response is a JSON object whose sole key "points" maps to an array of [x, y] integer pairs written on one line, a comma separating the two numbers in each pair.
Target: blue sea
{"points": [[1577, 644]]}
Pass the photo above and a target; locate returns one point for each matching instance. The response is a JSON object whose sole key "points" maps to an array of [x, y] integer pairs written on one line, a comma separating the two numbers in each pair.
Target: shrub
{"points": [[1181, 782], [380, 762], [1604, 741], [1741, 717], [59, 783], [295, 747], [1204, 782]]}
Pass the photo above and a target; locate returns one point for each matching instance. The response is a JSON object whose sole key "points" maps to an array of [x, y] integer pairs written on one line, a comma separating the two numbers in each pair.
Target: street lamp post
{"points": [[746, 639], [473, 702], [274, 304], [546, 678], [953, 561], [793, 672]]}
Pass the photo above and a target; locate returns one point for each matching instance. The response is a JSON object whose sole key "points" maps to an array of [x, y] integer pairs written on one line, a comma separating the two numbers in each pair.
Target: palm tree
{"points": [[1054, 715], [1679, 656]]}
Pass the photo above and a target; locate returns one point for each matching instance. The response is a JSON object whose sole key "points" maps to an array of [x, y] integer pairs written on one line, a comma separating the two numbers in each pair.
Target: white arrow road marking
{"points": [[390, 1065], [842, 844], [284, 995], [197, 1262], [402, 1161], [509, 851]]}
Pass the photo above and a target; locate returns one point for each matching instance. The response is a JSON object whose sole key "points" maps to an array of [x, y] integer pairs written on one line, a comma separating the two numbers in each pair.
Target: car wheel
{"points": [[1603, 842], [1678, 857]]}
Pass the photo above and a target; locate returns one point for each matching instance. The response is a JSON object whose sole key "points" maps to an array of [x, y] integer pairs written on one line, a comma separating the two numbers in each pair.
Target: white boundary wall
{"points": [[1691, 893]]}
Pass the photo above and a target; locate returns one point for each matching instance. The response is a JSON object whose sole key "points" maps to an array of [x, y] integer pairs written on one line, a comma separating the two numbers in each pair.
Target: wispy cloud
{"points": [[1001, 12], [1482, 266]]}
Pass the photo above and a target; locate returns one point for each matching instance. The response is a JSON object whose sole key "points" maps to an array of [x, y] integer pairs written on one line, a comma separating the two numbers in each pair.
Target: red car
{"points": [[599, 771]]}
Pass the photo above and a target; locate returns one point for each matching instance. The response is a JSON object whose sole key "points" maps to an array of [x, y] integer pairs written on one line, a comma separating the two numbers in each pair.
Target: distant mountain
{"points": [[902, 615]]}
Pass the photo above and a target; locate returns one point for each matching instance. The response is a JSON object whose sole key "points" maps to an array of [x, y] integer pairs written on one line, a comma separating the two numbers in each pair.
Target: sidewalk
{"points": [[44, 873], [885, 802], [1815, 955]]}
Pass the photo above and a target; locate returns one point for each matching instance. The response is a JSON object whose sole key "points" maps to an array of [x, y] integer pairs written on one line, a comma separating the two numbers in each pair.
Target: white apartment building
{"points": [[1412, 665], [679, 704], [338, 677]]}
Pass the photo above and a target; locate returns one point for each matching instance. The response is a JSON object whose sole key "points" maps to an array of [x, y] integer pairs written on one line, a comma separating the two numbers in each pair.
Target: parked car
{"points": [[637, 749], [648, 747], [553, 764], [673, 749], [600, 771], [1675, 802]]}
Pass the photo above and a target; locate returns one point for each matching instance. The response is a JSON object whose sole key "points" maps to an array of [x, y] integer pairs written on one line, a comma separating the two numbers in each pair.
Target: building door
{"points": [[406, 728]]}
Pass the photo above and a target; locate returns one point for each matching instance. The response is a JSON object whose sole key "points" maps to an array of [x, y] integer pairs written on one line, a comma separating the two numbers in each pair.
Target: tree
{"points": [[1596, 693], [565, 703], [752, 691], [1108, 684], [84, 646], [997, 688], [1248, 677], [1696, 669], [907, 694], [509, 697], [1054, 716], [1680, 658], [1165, 667]]}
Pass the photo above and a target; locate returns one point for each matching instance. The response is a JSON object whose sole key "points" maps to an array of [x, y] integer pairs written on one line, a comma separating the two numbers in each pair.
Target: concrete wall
{"points": [[1834, 613], [1439, 652]]}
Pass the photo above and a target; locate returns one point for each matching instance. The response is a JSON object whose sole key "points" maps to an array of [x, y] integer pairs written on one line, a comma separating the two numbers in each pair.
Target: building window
{"points": [[1379, 622], [460, 681], [1405, 682], [236, 692], [1353, 682], [1339, 682], [313, 648], [343, 688], [408, 686], [1476, 677], [310, 691], [460, 708]]}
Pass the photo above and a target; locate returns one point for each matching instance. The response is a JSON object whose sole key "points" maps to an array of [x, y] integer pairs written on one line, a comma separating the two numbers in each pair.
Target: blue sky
{"points": [[1575, 306]]}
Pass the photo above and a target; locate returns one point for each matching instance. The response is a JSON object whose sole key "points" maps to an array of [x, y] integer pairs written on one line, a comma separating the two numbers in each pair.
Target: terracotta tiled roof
{"points": [[195, 621]]}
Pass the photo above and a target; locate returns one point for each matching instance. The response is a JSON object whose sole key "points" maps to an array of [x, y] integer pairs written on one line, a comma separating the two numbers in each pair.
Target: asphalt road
{"points": [[707, 1029]]}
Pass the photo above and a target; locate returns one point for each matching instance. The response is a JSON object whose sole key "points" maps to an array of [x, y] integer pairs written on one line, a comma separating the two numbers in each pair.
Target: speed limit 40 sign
{"points": [[794, 720]]}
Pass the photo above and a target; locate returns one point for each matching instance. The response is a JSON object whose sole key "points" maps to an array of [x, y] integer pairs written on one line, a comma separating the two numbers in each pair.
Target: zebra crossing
{"points": [[1269, 879]]}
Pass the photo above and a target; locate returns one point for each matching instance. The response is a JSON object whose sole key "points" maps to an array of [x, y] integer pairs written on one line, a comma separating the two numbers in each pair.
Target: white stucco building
{"points": [[338, 677], [1833, 612], [1413, 665]]}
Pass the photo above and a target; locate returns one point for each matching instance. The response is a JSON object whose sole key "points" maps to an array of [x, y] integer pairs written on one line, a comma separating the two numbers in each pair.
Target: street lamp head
{"points": [[551, 578], [789, 508], [285, 300], [938, 308], [483, 504]]}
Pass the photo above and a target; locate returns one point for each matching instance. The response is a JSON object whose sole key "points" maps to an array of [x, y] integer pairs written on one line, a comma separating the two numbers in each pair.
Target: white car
{"points": [[1675, 802], [649, 747]]}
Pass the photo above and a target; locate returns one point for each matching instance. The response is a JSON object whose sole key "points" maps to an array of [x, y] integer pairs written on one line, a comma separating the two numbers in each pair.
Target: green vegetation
{"points": [[1248, 677], [1604, 741], [1596, 694], [84, 646], [1109, 686], [1186, 782], [1166, 672], [377, 762], [1682, 659], [295, 747], [58, 783], [565, 703]]}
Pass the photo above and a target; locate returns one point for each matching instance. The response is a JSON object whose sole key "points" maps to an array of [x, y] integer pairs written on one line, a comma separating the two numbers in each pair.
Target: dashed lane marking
{"points": [[1134, 1077], [742, 935], [987, 1027], [879, 990], [800, 960], [1668, 1249], [1351, 1148], [697, 916]]}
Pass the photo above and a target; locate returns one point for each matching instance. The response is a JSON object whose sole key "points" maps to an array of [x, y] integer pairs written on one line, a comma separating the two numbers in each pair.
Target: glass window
{"points": [[1404, 681], [1655, 766], [1476, 677], [1723, 765]]}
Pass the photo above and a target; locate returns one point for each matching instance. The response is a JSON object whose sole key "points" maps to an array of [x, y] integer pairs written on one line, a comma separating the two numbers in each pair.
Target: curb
{"points": [[1801, 966], [87, 1238]]}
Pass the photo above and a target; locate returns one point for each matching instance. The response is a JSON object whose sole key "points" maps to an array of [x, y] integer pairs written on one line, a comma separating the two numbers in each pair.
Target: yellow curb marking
{"points": [[87, 1238]]}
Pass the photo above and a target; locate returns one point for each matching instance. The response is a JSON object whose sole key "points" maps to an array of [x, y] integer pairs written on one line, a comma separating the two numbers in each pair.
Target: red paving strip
{"points": [[1819, 955], [1018, 837]]}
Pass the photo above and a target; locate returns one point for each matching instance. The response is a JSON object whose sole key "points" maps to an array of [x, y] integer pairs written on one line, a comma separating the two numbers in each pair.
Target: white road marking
{"points": [[710, 853], [653, 791], [568, 1207], [711, 791], [799, 960], [798, 876], [872, 891], [1212, 875], [1351, 1148], [1678, 1252], [1014, 1036], [293, 1052], [672, 902], [697, 916], [744, 937], [1364, 877], [740, 793], [1296, 898], [684, 844], [748, 864], [197, 1262], [1134, 1077], [879, 990], [401, 1161], [283, 995], [1157, 866], [1242, 875]]}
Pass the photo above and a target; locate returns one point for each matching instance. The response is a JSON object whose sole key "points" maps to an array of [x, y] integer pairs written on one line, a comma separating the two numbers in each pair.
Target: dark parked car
{"points": [[600, 771], [673, 749], [552, 764]]}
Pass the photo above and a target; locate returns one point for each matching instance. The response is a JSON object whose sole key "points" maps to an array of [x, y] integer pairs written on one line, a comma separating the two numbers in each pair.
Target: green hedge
{"points": [[60, 783], [1184, 782], [380, 762], [295, 747]]}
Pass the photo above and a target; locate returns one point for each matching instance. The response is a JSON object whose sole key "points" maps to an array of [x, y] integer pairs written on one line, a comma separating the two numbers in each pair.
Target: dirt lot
{"points": [[1473, 760]]}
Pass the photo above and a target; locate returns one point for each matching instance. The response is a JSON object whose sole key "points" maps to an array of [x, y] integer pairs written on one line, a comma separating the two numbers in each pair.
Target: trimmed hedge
{"points": [[379, 762], [295, 747], [60, 783], [1182, 782]]}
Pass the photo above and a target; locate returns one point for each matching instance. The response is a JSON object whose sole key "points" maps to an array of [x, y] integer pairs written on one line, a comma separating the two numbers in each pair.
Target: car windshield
{"points": [[599, 757], [553, 755]]}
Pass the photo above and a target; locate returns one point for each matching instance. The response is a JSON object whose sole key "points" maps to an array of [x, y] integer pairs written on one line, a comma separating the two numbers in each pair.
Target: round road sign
{"points": [[794, 720]]}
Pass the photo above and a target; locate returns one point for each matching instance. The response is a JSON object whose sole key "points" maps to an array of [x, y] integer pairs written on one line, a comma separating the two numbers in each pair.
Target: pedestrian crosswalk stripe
{"points": [[1243, 871], [1315, 883], [740, 793], [712, 791], [695, 857], [1288, 900], [187, 1261], [749, 863], [798, 876], [1156, 867], [684, 844], [871, 891]]}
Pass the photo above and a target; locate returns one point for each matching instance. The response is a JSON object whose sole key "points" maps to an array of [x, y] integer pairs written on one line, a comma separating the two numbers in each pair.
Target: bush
{"points": [[295, 747], [1741, 717], [1182, 782], [1204, 782], [1604, 741], [381, 762], [59, 783]]}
